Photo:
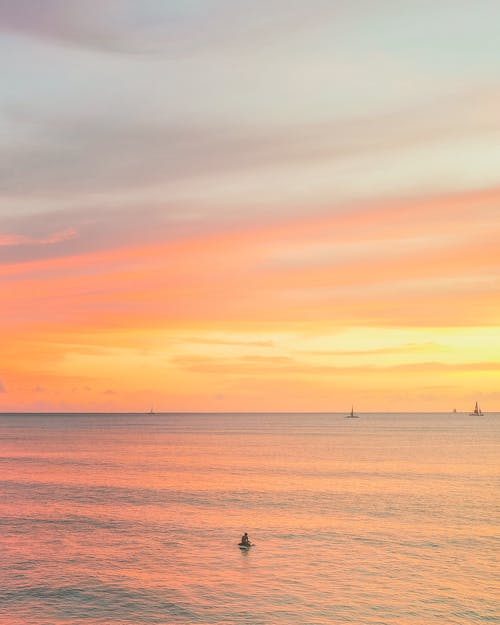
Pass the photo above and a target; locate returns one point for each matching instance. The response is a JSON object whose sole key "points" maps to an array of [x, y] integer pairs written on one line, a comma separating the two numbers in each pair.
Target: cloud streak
{"points": [[11, 240], [278, 366], [400, 349], [369, 273], [123, 26], [102, 154]]}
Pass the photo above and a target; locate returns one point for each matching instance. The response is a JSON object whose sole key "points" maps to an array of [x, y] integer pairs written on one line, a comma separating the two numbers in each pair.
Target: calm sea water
{"points": [[131, 519]]}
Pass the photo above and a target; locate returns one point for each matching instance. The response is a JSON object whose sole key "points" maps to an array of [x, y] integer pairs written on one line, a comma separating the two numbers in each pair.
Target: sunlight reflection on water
{"points": [[127, 520]]}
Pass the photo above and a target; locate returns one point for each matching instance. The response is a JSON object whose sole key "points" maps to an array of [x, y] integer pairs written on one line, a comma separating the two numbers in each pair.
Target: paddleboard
{"points": [[244, 547]]}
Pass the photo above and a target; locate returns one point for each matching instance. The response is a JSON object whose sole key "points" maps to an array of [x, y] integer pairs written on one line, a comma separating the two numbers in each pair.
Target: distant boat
{"points": [[454, 409], [151, 411], [351, 415], [477, 411]]}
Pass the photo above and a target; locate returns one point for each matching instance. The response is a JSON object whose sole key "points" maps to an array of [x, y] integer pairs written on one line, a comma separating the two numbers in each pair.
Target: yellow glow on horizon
{"points": [[306, 314], [216, 369]]}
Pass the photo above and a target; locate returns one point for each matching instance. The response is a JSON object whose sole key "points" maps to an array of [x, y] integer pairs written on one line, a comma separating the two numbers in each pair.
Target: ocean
{"points": [[129, 519]]}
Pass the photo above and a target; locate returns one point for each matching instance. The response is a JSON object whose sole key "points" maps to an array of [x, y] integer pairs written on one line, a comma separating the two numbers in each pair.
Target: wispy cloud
{"points": [[11, 240], [68, 155], [278, 366], [153, 26], [225, 342], [400, 349], [236, 273]]}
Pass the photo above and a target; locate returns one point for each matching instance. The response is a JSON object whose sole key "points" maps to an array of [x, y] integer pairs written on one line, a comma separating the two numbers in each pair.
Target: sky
{"points": [[223, 205]]}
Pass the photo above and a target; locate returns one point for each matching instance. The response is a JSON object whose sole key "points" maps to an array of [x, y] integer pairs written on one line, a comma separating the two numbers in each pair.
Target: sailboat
{"points": [[477, 411], [351, 415]]}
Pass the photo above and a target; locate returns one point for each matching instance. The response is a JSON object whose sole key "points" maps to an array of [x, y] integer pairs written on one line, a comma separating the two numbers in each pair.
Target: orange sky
{"points": [[369, 305], [232, 213]]}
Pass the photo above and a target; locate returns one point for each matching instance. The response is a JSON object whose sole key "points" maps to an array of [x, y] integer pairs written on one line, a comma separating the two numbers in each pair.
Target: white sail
{"points": [[477, 410], [351, 415]]}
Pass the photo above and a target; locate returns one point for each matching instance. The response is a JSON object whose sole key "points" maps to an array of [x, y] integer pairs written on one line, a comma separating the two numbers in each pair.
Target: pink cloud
{"points": [[9, 240]]}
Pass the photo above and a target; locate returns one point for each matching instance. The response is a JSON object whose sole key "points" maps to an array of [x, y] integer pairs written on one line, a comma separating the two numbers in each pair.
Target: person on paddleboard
{"points": [[245, 541]]}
